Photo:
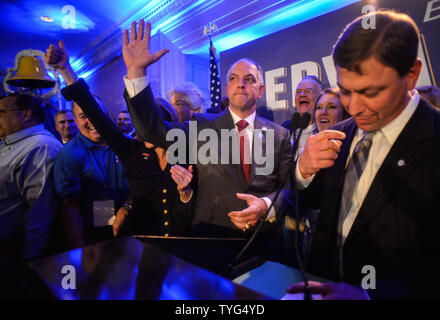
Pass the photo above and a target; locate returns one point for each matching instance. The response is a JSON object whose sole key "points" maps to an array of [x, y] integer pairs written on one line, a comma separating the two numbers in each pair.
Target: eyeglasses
{"points": [[180, 104], [305, 90]]}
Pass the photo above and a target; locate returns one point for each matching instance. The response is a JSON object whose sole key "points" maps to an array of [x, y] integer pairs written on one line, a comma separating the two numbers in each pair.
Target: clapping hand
{"points": [[182, 178]]}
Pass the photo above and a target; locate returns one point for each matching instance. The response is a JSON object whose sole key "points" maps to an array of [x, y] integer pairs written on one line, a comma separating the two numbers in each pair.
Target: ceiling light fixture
{"points": [[46, 18]]}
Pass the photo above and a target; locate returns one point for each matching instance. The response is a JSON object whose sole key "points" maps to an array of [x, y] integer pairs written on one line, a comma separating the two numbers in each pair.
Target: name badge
{"points": [[103, 213]]}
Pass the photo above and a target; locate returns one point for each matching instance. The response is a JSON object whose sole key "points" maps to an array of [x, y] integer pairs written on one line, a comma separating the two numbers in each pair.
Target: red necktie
{"points": [[244, 149]]}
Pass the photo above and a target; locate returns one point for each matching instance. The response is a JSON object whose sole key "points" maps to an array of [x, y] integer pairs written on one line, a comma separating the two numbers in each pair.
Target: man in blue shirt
{"points": [[89, 179], [27, 197]]}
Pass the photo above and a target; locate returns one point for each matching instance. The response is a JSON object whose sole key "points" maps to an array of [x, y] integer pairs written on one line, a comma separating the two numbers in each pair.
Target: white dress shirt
{"points": [[307, 132], [382, 142]]}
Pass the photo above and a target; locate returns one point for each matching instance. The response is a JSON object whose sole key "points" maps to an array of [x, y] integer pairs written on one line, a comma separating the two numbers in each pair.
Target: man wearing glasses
{"points": [[27, 197], [307, 93]]}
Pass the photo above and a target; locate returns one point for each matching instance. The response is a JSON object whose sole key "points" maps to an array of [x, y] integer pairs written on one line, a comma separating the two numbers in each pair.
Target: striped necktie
{"points": [[353, 172]]}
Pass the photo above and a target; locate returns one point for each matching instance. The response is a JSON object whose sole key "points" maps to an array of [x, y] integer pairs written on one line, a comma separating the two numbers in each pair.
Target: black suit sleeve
{"points": [[147, 120], [283, 204]]}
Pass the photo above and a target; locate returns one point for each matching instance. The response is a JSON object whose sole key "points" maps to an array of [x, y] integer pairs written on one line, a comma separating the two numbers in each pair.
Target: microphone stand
{"points": [[305, 119], [301, 122]]}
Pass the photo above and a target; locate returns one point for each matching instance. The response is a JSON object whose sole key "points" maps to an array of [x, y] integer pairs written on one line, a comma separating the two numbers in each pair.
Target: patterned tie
{"points": [[244, 149], [353, 173]]}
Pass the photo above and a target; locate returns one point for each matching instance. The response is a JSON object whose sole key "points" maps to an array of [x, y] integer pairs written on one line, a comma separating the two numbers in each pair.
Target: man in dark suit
{"points": [[230, 197], [377, 235]]}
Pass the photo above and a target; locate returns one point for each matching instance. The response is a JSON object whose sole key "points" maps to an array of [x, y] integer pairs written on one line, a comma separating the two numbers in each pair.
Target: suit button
{"points": [[165, 212], [164, 201], [166, 234], [164, 191], [165, 223]]}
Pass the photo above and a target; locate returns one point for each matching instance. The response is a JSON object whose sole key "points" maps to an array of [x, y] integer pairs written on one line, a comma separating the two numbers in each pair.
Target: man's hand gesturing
{"points": [[136, 50]]}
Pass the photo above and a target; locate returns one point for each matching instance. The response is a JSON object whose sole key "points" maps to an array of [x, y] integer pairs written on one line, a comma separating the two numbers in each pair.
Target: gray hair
{"points": [[191, 94]]}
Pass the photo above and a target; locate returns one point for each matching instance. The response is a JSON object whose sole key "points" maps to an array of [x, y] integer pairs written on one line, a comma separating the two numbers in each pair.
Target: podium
{"points": [[213, 254], [127, 268]]}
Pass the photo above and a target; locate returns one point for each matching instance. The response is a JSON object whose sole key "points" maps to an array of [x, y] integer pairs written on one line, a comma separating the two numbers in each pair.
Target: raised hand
{"points": [[136, 50], [57, 57]]}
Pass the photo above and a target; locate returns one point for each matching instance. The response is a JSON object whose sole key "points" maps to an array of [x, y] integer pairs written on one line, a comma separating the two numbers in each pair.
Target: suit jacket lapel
{"points": [[336, 175], [407, 151]]}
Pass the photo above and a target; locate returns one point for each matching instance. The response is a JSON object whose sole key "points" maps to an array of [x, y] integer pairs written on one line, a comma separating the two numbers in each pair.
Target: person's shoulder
{"points": [[45, 137], [72, 149], [266, 123], [206, 116], [287, 124], [343, 125], [46, 141]]}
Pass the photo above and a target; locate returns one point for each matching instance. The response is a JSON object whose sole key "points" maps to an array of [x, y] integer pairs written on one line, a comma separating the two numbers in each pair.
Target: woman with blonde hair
{"points": [[329, 110], [187, 99]]}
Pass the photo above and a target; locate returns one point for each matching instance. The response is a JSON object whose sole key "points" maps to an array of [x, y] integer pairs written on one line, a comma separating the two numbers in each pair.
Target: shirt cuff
{"points": [[271, 216], [189, 199], [302, 183], [134, 86]]}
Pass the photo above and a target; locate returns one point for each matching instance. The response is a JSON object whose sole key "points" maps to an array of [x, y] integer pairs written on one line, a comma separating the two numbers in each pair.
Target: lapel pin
{"points": [[262, 132], [401, 163]]}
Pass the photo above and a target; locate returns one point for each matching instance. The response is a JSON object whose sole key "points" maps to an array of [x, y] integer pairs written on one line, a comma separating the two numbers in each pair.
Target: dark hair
{"points": [[123, 111], [64, 111], [393, 41], [25, 101]]}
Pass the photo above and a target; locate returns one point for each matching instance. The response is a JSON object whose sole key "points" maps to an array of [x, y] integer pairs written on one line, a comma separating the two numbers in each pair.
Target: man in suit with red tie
{"points": [[233, 196], [375, 176]]}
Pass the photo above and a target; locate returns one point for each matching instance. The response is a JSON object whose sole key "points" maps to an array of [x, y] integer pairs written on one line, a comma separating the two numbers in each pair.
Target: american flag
{"points": [[216, 91]]}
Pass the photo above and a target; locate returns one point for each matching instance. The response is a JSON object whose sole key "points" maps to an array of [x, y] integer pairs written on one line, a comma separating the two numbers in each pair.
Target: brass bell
{"points": [[31, 74]]}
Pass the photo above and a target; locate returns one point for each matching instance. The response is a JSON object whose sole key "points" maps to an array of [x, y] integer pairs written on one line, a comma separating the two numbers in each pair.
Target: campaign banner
{"points": [[305, 49]]}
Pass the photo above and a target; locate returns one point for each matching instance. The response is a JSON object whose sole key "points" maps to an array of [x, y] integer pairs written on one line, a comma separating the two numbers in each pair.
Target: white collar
{"points": [[393, 129], [250, 120]]}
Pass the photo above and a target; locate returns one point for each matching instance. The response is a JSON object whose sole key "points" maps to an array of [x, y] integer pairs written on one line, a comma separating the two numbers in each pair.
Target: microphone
{"points": [[305, 120], [298, 122]]}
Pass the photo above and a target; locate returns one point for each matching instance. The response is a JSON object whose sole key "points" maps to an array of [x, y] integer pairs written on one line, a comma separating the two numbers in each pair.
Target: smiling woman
{"points": [[329, 110]]}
